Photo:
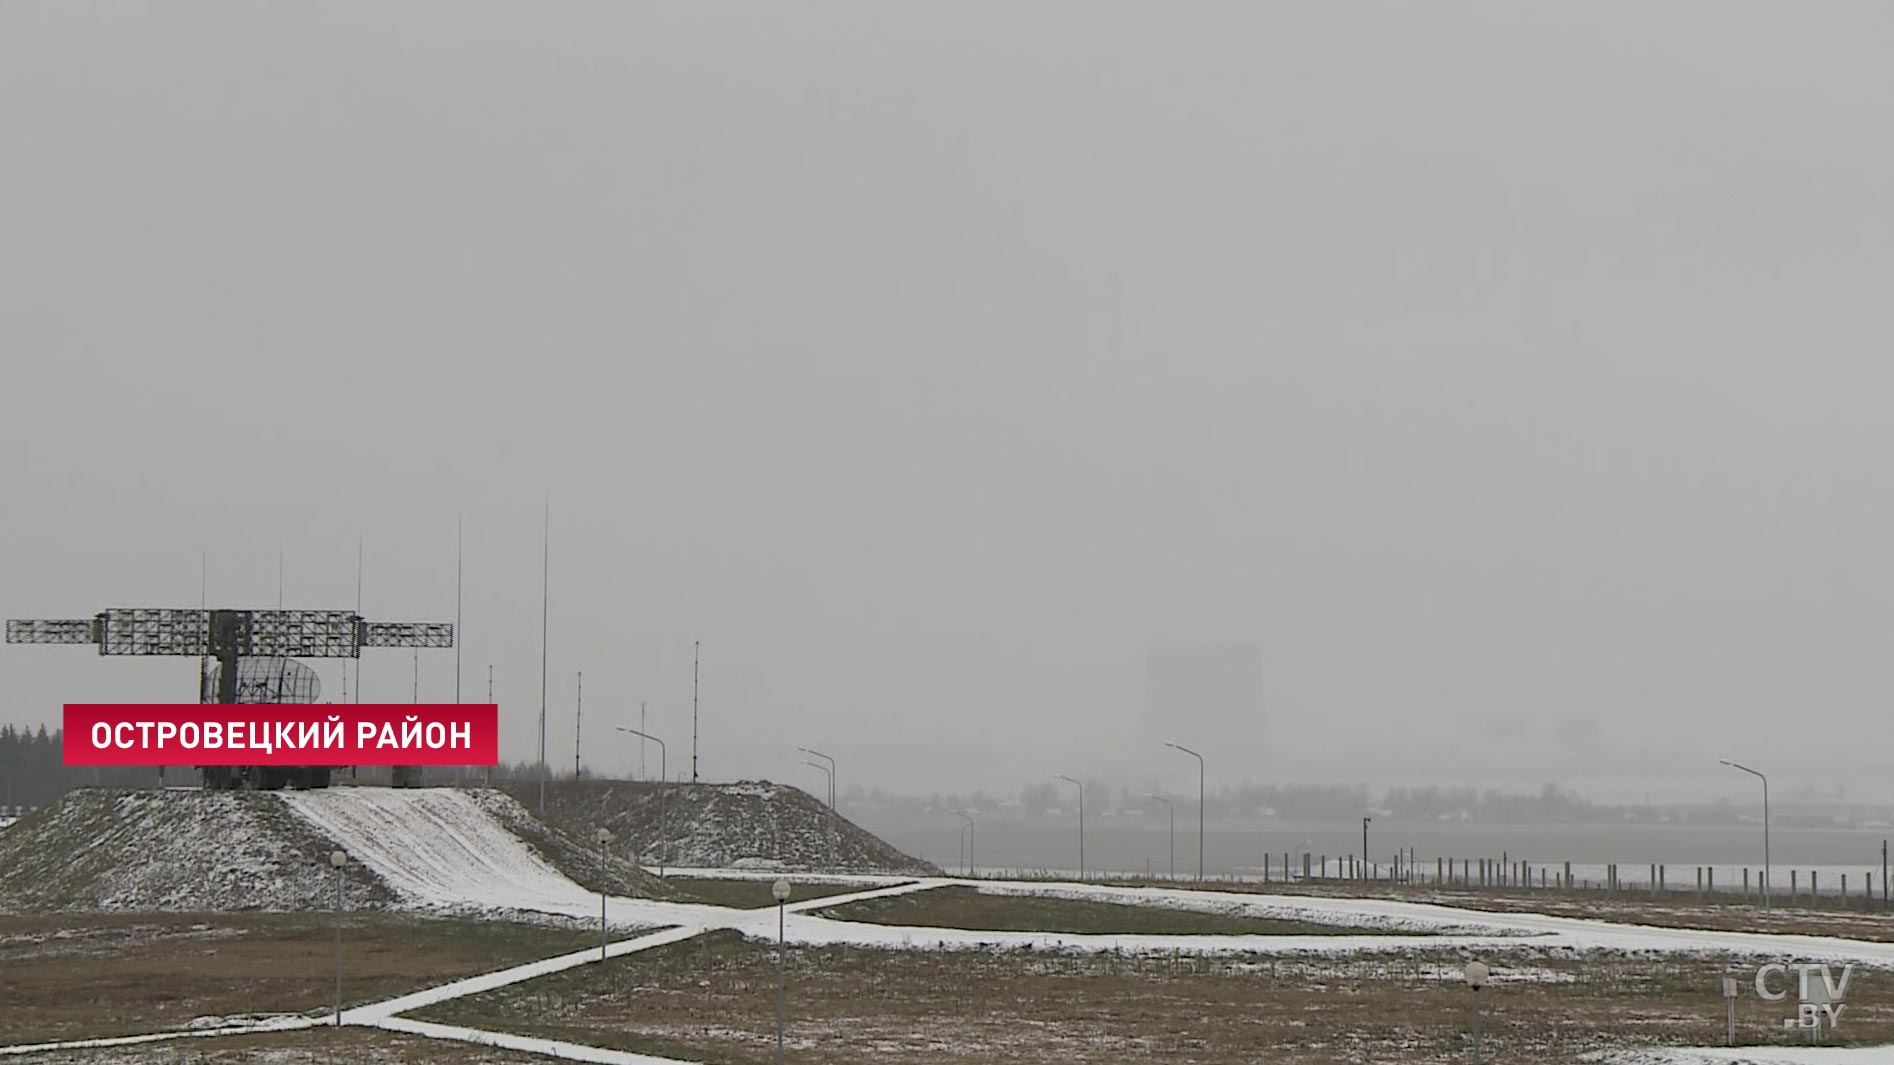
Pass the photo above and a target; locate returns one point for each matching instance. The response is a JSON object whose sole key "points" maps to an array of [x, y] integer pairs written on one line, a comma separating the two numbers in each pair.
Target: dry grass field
{"points": [[85, 976], [712, 999], [326, 1046], [968, 908]]}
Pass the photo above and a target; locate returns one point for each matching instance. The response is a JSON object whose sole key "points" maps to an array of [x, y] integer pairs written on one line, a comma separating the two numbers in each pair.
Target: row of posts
{"points": [[1506, 872]]}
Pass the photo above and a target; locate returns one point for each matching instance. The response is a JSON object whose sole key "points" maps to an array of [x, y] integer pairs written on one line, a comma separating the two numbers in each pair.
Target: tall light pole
{"points": [[696, 648], [1765, 827], [545, 615], [604, 838], [969, 819], [818, 754], [664, 788], [780, 892], [1081, 788], [831, 832], [1172, 807], [1200, 810], [338, 859], [1366, 870]]}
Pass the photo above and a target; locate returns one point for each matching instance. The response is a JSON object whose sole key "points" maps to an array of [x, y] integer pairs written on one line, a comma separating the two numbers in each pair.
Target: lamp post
{"points": [[1172, 807], [1476, 975], [813, 753], [338, 859], [831, 833], [664, 790], [604, 837], [1081, 788], [780, 892], [969, 831], [1765, 827], [1200, 810]]}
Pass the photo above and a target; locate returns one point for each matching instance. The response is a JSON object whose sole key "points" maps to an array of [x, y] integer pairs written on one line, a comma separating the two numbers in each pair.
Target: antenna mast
{"points": [[545, 607], [457, 556], [695, 644]]}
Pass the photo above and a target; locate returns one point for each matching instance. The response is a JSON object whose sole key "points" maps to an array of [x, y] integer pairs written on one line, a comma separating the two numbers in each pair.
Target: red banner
{"points": [[282, 734]]}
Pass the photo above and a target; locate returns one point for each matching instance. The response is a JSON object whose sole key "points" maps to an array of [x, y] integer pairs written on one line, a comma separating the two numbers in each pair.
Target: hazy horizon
{"points": [[1510, 379]]}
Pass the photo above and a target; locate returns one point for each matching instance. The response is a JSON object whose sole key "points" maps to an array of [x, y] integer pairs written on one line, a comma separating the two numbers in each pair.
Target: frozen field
{"points": [[446, 850]]}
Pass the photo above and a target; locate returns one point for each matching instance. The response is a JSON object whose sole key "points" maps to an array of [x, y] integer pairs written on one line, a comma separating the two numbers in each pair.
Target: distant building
{"points": [[1208, 696]]}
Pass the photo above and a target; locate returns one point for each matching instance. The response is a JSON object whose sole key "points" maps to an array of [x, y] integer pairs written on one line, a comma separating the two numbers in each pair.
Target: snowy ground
{"points": [[441, 850]]}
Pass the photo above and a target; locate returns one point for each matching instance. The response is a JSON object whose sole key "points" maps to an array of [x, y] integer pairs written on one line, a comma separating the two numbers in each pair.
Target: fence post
{"points": [[1795, 887], [1568, 876], [1699, 883], [1815, 892]]}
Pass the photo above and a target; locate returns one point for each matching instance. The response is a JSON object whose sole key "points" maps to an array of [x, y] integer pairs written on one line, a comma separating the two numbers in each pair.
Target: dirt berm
{"points": [[718, 825], [184, 850]]}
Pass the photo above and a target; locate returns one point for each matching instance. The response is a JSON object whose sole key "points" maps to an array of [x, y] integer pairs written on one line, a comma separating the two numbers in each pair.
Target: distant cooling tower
{"points": [[1205, 693]]}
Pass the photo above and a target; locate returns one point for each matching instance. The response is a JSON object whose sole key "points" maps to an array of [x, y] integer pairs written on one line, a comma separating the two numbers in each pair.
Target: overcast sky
{"points": [[1515, 376]]}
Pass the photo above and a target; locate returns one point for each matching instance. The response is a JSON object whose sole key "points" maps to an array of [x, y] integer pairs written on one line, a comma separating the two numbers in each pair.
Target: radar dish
{"points": [[269, 680]]}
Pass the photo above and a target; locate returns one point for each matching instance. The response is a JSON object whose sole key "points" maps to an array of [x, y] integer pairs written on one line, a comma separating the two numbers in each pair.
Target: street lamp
{"points": [[813, 753], [1081, 788], [831, 832], [780, 892], [664, 789], [1200, 810], [1765, 827], [969, 831], [1367, 870], [1476, 974], [1172, 807], [604, 837], [338, 859]]}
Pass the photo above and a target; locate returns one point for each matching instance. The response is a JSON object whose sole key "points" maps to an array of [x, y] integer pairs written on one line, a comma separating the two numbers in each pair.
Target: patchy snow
{"points": [[1746, 1056], [551, 1048], [274, 1024], [173, 851]]}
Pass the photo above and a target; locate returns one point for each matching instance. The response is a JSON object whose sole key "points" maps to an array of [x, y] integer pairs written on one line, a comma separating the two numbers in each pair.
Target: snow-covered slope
{"points": [[439, 847], [431, 847]]}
